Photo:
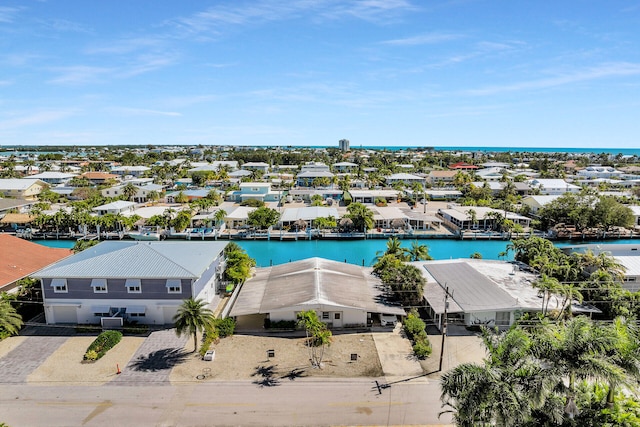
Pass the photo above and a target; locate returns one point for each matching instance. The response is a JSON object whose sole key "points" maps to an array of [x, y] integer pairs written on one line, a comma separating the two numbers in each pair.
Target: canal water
{"points": [[360, 252]]}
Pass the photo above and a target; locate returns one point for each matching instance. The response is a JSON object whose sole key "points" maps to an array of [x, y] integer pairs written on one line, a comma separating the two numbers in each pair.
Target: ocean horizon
{"points": [[28, 149]]}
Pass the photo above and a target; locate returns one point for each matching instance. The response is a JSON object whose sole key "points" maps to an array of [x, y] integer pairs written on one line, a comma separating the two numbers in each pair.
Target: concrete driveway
{"points": [[395, 352]]}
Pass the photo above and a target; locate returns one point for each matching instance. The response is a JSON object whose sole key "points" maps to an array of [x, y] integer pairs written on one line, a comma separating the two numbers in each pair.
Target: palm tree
{"points": [[625, 354], [505, 389], [577, 349], [219, 216], [129, 190], [318, 336], [10, 320], [547, 286], [393, 248], [192, 317], [417, 252], [361, 216]]}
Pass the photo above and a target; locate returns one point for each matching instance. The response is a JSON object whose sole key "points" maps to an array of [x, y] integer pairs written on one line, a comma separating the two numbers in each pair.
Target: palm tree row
{"points": [[531, 377]]}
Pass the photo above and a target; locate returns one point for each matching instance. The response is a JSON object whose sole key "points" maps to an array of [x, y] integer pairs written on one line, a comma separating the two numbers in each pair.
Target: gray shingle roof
{"points": [[119, 259], [313, 281]]}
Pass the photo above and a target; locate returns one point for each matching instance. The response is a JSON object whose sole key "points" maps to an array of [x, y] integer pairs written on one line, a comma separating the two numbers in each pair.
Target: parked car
{"points": [[388, 320]]}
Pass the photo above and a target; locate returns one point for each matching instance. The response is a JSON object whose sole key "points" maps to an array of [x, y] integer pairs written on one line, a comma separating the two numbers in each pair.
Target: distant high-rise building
{"points": [[344, 144]]}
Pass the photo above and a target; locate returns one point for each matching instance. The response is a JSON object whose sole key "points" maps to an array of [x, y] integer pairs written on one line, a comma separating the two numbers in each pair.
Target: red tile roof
{"points": [[462, 165], [20, 258]]}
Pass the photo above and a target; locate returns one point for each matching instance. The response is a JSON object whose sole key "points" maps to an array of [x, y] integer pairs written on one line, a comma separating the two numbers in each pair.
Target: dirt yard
{"points": [[242, 357]]}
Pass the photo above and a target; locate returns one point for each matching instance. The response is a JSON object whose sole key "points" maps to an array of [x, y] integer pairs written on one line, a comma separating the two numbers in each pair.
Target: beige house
{"points": [[343, 295], [22, 188]]}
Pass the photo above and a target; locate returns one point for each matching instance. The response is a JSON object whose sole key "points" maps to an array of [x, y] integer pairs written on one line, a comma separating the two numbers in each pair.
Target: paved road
{"points": [[300, 402]]}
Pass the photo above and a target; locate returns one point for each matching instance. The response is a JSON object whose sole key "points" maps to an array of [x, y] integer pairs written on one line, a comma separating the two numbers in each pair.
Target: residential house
{"points": [[482, 293], [21, 258], [343, 295], [442, 178], [141, 195], [553, 186], [136, 171], [406, 178], [118, 207], [54, 178], [309, 178], [100, 178], [460, 218], [536, 203], [256, 166], [370, 196], [25, 188], [597, 171], [308, 214], [120, 281], [314, 167], [462, 166], [345, 167], [254, 191]]}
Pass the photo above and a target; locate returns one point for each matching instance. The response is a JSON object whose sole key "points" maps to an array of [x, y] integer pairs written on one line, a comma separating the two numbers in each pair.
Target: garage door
{"points": [[169, 312], [65, 314]]}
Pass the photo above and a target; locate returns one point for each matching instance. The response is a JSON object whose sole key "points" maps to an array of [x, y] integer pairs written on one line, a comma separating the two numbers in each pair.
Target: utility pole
{"points": [[444, 326]]}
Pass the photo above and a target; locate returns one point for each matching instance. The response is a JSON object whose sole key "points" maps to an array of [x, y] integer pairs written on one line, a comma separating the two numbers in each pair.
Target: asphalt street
{"points": [[301, 402]]}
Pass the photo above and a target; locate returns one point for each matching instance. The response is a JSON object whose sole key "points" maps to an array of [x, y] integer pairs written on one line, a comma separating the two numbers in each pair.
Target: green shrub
{"points": [[422, 349], [220, 328], [282, 324], [413, 325], [103, 343], [415, 330], [226, 327]]}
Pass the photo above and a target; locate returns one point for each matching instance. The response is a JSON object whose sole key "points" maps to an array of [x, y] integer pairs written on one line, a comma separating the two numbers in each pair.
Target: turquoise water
{"points": [[360, 252]]}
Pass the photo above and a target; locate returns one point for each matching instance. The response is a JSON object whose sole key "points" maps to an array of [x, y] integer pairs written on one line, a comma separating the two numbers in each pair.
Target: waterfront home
{"points": [[237, 217], [296, 216], [254, 191], [536, 203], [343, 295], [141, 195], [21, 188], [627, 255], [15, 205], [387, 217], [115, 208], [120, 281], [553, 186], [482, 293], [636, 215], [21, 258], [460, 218]]}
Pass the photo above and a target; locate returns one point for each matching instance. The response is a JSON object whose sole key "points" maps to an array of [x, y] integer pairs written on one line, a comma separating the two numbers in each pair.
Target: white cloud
{"points": [[431, 38], [620, 69], [80, 74], [8, 14], [144, 112], [37, 118]]}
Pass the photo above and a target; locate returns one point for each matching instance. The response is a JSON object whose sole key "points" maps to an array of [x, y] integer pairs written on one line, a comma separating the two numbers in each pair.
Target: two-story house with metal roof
{"points": [[117, 281]]}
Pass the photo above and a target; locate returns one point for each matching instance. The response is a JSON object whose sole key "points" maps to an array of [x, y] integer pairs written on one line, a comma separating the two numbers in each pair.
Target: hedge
{"points": [[415, 329], [103, 343], [220, 328]]}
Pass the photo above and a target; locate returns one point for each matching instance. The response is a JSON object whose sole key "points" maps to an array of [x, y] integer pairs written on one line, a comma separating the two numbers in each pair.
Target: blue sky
{"points": [[537, 73]]}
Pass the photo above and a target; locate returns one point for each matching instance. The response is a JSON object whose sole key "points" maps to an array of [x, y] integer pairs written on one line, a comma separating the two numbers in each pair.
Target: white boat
{"points": [[146, 234]]}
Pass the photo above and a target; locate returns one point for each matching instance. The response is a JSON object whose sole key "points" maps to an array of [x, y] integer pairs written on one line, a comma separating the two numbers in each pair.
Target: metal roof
{"points": [[311, 282], [471, 290], [142, 260]]}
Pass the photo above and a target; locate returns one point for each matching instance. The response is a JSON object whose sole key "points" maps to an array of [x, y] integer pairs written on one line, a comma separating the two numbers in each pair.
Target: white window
{"points": [[101, 310], [59, 286], [174, 286], [99, 286], [133, 286]]}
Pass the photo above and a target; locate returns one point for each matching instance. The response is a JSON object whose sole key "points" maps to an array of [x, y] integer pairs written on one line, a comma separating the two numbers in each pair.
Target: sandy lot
{"points": [[242, 357], [8, 344], [65, 364]]}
